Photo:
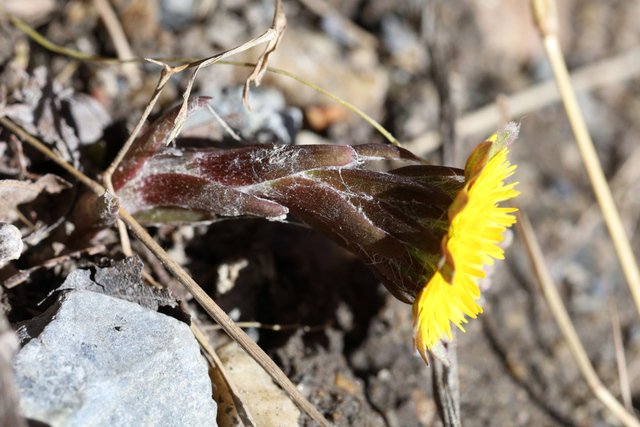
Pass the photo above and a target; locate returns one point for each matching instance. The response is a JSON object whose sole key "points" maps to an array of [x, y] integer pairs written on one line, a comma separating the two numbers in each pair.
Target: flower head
{"points": [[476, 224]]}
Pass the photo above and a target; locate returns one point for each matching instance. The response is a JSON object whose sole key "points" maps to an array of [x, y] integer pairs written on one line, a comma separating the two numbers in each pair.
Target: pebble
{"points": [[91, 359]]}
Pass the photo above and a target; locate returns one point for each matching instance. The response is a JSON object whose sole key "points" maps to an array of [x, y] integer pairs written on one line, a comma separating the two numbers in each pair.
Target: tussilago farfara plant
{"points": [[426, 231]]}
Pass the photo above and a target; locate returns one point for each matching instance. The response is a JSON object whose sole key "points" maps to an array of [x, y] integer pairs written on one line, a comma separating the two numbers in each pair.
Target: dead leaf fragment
{"points": [[14, 193], [269, 405], [124, 280]]}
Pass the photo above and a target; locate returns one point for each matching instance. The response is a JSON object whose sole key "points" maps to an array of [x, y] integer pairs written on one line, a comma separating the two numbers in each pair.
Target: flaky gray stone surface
{"points": [[96, 360]]}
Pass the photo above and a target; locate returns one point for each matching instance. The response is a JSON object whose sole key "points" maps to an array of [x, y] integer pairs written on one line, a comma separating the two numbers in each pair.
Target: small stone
{"points": [[91, 359], [10, 242]]}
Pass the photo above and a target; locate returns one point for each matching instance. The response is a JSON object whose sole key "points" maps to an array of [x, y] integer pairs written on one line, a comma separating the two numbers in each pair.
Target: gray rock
{"points": [[96, 360]]}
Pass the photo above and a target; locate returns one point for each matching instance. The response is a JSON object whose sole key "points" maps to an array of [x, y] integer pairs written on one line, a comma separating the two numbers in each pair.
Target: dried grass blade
{"points": [[545, 12], [554, 301]]}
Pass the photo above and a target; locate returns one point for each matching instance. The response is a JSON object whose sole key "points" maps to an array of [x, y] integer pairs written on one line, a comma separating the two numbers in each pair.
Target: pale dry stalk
{"points": [[484, 120], [554, 301], [545, 13], [119, 39]]}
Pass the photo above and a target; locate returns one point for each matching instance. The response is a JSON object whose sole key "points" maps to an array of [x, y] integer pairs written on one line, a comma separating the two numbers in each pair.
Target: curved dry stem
{"points": [[547, 21], [554, 301]]}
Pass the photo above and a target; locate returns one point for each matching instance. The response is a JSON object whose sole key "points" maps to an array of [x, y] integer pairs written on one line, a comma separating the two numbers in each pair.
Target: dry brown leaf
{"points": [[14, 193], [269, 405], [123, 280]]}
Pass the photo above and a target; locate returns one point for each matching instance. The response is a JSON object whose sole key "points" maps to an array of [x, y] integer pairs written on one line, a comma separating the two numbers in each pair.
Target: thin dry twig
{"points": [[554, 301], [625, 177], [547, 21], [279, 25], [23, 275], [633, 371], [224, 124], [119, 39], [623, 377], [216, 313], [446, 388]]}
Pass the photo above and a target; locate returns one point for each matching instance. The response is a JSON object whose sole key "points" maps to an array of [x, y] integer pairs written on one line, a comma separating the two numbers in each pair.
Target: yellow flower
{"points": [[476, 224]]}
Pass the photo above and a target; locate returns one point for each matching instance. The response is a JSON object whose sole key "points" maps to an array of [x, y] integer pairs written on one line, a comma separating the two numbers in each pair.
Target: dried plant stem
{"points": [[279, 25], [552, 296], [446, 388], [623, 377], [224, 124], [547, 21], [216, 313], [119, 39]]}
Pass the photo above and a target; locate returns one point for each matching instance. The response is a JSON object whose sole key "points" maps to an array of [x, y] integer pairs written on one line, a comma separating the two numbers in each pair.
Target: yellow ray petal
{"points": [[471, 241]]}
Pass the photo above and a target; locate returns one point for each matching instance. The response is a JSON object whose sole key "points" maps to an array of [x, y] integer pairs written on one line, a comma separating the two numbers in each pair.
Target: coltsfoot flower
{"points": [[426, 231], [476, 226]]}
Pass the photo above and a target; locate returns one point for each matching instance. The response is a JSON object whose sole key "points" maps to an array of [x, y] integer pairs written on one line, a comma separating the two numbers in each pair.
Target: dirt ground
{"points": [[390, 58]]}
